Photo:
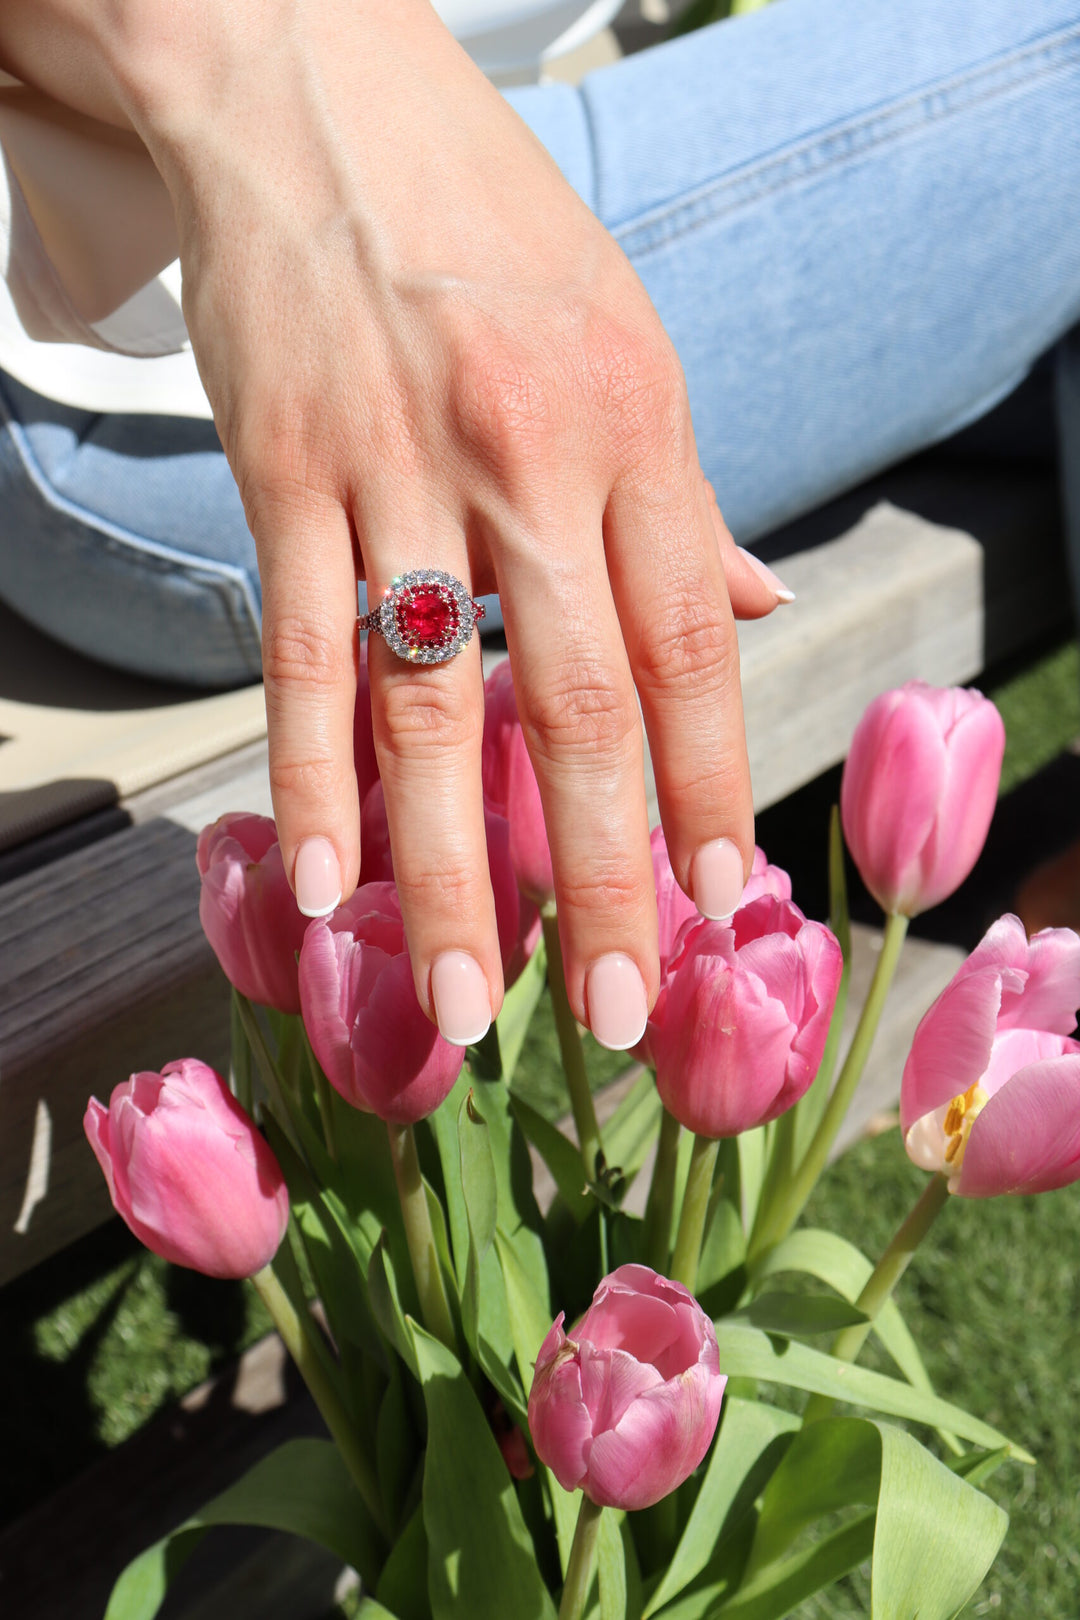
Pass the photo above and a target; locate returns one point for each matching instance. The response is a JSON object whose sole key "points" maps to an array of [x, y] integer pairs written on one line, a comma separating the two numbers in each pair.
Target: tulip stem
{"points": [[573, 1054], [656, 1244], [297, 1330], [882, 1280], [412, 1194], [791, 1206], [579, 1569], [241, 1058], [684, 1264]]}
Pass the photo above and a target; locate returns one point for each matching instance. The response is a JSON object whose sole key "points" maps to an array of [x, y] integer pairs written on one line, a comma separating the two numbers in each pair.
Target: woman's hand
{"points": [[423, 350]]}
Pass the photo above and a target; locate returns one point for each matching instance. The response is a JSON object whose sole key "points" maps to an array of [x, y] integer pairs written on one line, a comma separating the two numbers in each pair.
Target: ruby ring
{"points": [[425, 616]]}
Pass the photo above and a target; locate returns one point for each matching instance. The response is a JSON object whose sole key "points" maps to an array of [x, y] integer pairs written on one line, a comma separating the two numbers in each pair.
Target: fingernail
{"points": [[716, 878], [317, 877], [615, 1001], [459, 989], [764, 572]]}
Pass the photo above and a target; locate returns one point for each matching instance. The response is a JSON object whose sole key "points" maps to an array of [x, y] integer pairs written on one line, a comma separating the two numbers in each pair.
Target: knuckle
{"points": [[296, 653], [602, 889], [442, 886], [640, 384], [582, 710], [418, 717], [687, 642], [502, 403], [312, 780]]}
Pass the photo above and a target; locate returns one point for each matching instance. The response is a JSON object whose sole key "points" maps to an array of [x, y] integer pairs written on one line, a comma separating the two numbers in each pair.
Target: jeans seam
{"points": [[813, 155], [177, 561]]}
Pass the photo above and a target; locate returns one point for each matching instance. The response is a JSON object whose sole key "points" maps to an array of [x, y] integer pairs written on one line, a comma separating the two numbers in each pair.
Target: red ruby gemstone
{"points": [[428, 618]]}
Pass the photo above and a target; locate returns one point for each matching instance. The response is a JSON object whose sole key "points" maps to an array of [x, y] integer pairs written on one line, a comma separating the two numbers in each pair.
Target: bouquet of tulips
{"points": [[574, 1410]]}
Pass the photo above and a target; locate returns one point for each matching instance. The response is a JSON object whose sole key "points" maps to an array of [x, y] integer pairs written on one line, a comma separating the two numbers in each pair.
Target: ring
{"points": [[425, 616]]}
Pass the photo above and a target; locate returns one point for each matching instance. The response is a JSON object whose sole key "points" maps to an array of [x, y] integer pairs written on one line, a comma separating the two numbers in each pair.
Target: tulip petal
{"points": [[96, 1126], [1016, 1049], [890, 792], [610, 1381], [1027, 1138], [952, 1044], [658, 1443], [974, 748], [1051, 995]]}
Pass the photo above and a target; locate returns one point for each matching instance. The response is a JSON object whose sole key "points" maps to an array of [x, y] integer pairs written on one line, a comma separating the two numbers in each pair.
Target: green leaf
{"points": [[748, 1353], [403, 1584], [303, 1487], [385, 1299], [519, 1004], [751, 1436], [481, 1560], [395, 1444], [611, 1568], [562, 1157], [782, 1587], [799, 1314], [935, 1535], [631, 1131], [751, 1146], [370, 1610], [835, 1261]]}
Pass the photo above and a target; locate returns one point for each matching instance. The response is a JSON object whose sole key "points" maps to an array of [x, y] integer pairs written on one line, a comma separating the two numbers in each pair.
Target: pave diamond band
{"points": [[426, 616]]}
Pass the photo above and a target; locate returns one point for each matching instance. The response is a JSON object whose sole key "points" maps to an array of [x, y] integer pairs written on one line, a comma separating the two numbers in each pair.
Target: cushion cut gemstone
{"points": [[427, 618]]}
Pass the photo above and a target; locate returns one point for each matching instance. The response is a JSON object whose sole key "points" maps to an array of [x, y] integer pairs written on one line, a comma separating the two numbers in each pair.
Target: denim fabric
{"points": [[856, 218]]}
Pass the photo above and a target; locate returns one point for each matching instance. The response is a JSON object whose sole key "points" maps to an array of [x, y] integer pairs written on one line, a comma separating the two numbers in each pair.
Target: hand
{"points": [[424, 351]]}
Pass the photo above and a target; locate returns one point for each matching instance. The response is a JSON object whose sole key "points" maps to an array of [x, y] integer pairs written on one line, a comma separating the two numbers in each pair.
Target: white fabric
{"points": [[137, 357]]}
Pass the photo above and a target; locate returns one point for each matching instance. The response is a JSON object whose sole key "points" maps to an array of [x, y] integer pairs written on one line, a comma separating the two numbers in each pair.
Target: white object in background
{"points": [[518, 36]]}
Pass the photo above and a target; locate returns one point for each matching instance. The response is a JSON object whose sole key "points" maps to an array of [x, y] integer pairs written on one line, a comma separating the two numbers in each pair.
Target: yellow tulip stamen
{"points": [[960, 1116]]}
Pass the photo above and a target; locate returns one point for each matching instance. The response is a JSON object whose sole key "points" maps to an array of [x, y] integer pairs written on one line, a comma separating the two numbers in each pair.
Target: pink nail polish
{"points": [[615, 1001], [459, 989], [764, 572], [317, 878], [716, 878]]}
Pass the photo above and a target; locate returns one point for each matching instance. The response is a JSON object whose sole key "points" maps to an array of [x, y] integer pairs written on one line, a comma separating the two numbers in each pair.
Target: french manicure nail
{"points": [[615, 1001], [716, 878], [764, 572], [317, 878], [459, 989]]}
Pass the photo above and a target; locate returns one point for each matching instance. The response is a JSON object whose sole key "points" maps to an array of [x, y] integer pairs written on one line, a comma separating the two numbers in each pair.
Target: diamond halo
{"points": [[426, 616]]}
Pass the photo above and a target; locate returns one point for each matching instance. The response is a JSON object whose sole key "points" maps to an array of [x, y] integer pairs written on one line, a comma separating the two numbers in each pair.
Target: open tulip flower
{"points": [[625, 1406], [248, 911], [991, 1089], [189, 1172], [366, 1027], [740, 1024], [919, 790]]}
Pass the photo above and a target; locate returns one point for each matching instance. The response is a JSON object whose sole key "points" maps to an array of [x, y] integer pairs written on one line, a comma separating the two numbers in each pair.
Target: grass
{"points": [[1040, 705]]}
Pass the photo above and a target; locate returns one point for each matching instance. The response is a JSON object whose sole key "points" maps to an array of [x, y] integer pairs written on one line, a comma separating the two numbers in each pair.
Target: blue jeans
{"points": [[857, 220]]}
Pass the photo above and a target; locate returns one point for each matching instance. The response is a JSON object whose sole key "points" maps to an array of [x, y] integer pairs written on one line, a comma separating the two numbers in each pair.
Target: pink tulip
{"points": [[740, 1024], [675, 909], [189, 1172], [511, 789], [364, 757], [248, 911], [364, 1022], [991, 1088], [626, 1405], [517, 919], [919, 790]]}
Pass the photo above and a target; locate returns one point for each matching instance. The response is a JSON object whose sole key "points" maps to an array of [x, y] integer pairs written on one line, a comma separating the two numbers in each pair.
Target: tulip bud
{"points": [[248, 911], [366, 1027], [511, 789], [675, 909], [919, 790], [626, 1405], [740, 1024], [189, 1172], [990, 1095]]}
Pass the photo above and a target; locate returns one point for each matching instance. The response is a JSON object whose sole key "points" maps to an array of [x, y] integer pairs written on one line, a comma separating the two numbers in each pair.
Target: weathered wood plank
{"points": [[103, 970]]}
